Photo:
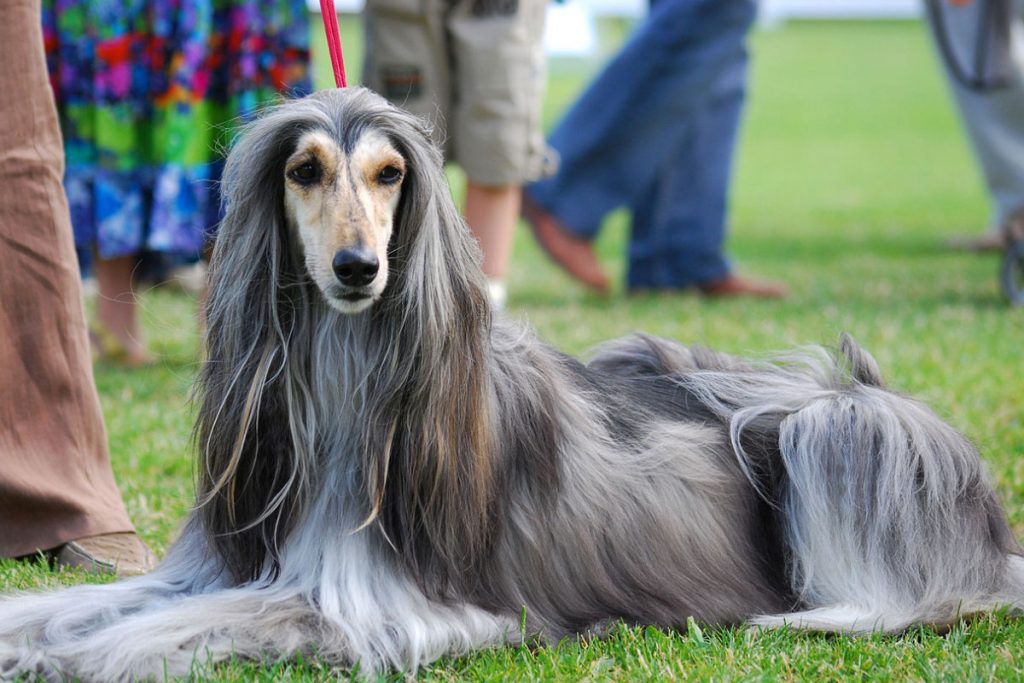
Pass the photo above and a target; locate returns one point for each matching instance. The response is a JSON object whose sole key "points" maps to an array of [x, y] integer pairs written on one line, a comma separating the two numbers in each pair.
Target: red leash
{"points": [[333, 41]]}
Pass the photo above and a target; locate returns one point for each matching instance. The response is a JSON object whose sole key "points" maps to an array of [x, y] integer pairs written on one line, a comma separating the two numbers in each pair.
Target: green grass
{"points": [[851, 174]]}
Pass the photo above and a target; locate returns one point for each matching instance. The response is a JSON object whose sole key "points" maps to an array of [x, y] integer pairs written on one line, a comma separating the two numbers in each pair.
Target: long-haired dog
{"points": [[388, 475]]}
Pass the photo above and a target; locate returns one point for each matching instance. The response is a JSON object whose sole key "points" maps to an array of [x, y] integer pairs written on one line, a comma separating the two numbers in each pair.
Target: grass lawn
{"points": [[852, 172]]}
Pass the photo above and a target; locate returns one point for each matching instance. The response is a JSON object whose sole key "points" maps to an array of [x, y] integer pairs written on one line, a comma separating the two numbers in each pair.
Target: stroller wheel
{"points": [[1013, 273]]}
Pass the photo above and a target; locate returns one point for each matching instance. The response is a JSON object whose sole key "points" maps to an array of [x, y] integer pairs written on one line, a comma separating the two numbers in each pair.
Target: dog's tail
{"points": [[885, 510]]}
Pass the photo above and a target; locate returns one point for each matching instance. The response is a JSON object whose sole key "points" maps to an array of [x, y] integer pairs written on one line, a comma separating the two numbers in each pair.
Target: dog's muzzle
{"points": [[355, 267]]}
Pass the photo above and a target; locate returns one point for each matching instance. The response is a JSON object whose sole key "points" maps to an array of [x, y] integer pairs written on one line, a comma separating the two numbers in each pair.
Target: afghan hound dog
{"points": [[388, 473]]}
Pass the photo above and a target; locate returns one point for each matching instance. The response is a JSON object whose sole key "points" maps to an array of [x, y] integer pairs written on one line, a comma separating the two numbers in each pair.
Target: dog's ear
{"points": [[428, 458], [245, 420]]}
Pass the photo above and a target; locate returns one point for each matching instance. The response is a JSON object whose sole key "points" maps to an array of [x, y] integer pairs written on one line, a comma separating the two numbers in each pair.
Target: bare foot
{"points": [[575, 256]]}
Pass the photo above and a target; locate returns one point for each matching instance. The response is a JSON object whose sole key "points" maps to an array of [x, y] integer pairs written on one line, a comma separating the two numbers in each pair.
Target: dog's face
{"points": [[342, 205]]}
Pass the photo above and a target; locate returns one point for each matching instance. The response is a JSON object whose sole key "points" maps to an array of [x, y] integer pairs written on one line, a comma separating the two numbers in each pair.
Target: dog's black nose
{"points": [[355, 267]]}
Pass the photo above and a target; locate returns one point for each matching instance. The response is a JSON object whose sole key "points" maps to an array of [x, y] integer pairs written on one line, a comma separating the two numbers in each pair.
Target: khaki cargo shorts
{"points": [[476, 70]]}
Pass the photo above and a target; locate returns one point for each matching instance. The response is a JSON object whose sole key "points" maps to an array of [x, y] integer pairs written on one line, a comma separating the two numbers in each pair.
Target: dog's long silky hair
{"points": [[411, 371], [385, 486]]}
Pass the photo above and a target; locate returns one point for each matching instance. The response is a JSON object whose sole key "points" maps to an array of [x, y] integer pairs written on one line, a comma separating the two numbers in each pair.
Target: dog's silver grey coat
{"points": [[389, 487]]}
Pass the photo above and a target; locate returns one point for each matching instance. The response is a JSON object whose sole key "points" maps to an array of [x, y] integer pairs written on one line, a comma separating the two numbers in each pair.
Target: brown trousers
{"points": [[55, 478]]}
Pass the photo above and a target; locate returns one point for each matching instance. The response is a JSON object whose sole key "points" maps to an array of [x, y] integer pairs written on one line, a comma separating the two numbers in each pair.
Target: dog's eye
{"points": [[389, 175], [306, 174]]}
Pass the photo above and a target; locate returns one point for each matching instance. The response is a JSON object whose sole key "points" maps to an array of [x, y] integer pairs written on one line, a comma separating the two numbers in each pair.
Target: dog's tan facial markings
{"points": [[341, 206]]}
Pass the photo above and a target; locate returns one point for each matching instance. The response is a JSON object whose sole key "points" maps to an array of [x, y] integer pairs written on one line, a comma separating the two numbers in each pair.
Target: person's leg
{"points": [[662, 225], [56, 483], [993, 119], [679, 227], [117, 312], [498, 69], [617, 136], [491, 213], [679, 224]]}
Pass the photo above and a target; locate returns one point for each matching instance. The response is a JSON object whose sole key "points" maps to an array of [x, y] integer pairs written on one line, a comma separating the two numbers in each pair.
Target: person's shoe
{"points": [[576, 256], [123, 554], [991, 241], [736, 286]]}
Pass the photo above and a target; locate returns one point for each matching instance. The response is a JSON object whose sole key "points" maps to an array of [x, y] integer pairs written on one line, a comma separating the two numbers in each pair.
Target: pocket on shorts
{"points": [[398, 47]]}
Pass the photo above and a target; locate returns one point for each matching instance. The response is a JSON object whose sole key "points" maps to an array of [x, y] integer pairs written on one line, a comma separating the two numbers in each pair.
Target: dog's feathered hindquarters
{"points": [[887, 517]]}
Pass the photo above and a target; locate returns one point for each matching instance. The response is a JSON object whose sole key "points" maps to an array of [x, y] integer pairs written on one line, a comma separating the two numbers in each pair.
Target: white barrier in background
{"points": [[771, 10], [777, 11], [571, 31]]}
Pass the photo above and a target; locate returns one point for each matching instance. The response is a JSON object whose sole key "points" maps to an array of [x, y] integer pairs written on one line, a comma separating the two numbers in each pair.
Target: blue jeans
{"points": [[655, 132]]}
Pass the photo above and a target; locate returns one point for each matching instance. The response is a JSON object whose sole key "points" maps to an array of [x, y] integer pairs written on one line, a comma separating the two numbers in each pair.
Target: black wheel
{"points": [[1013, 274]]}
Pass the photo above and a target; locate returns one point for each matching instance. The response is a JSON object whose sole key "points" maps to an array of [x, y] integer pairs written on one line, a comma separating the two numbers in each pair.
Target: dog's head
{"points": [[340, 198], [346, 189]]}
